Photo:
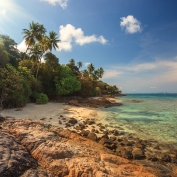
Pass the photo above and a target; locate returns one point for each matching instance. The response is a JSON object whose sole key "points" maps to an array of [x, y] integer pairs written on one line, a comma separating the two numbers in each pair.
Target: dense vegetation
{"points": [[24, 78]]}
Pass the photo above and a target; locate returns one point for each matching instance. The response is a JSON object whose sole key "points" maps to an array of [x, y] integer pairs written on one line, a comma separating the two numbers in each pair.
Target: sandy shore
{"points": [[56, 114]]}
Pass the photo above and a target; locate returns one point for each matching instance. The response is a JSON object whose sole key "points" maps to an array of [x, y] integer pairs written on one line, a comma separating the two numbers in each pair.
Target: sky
{"points": [[135, 41]]}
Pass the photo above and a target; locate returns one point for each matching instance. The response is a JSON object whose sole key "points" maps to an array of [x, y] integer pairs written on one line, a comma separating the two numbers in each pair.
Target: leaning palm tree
{"points": [[35, 33]]}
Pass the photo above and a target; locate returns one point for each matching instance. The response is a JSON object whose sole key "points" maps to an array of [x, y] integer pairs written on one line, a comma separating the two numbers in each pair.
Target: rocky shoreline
{"points": [[31, 148], [47, 150]]}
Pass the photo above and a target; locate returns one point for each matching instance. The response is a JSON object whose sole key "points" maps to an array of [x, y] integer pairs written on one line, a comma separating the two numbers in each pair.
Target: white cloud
{"points": [[62, 3], [69, 35], [131, 24], [111, 74], [22, 46], [158, 75], [64, 46]]}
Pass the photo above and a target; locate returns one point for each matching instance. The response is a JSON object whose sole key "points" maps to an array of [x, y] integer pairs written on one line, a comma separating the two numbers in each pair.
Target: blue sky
{"points": [[135, 41]]}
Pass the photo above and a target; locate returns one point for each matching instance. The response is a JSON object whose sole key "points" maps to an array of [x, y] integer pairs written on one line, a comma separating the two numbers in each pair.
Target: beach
{"points": [[36, 123]]}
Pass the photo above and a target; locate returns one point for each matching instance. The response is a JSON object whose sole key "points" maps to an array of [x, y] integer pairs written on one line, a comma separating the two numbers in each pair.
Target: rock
{"points": [[92, 136], [72, 121], [124, 153], [73, 102], [84, 133], [138, 153], [105, 140], [78, 128], [15, 160], [2, 119], [151, 156], [90, 122], [93, 130], [62, 153], [105, 136], [82, 126], [60, 122], [67, 125], [164, 157]]}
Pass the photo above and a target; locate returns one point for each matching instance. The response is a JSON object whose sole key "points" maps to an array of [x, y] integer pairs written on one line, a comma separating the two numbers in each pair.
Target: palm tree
{"points": [[72, 62], [79, 64], [100, 72], [85, 73], [35, 33], [35, 54], [53, 40], [90, 68]]}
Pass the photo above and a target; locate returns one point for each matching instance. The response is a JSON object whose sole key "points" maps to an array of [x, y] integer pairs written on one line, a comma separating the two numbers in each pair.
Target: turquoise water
{"points": [[154, 117]]}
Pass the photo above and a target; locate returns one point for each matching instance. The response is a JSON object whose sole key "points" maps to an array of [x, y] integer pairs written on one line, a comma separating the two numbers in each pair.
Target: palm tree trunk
{"points": [[26, 52], [38, 69]]}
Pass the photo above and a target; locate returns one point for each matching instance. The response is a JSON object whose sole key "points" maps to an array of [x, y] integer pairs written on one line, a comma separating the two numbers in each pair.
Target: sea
{"points": [[153, 117]]}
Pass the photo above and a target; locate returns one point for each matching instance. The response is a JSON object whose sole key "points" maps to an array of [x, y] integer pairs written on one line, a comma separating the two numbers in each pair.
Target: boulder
{"points": [[105, 140], [72, 121], [138, 153], [92, 136]]}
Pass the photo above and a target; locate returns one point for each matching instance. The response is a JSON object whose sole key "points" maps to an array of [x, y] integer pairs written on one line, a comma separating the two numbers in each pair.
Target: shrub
{"points": [[42, 98]]}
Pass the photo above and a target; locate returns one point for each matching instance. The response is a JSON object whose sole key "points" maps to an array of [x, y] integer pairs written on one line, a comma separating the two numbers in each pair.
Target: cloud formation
{"points": [[70, 35], [62, 3], [111, 74], [22, 46], [131, 24], [158, 75]]}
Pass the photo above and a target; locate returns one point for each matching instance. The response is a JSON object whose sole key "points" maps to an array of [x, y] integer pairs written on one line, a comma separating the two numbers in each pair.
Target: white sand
{"points": [[53, 112]]}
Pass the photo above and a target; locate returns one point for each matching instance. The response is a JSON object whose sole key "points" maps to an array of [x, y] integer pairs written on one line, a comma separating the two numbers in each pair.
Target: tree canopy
{"points": [[37, 75]]}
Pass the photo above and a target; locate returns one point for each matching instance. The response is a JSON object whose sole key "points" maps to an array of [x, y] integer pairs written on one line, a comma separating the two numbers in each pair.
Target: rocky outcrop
{"points": [[61, 152], [94, 102], [16, 161]]}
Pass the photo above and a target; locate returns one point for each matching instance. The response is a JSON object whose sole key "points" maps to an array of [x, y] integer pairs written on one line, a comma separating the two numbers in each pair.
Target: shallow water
{"points": [[154, 117]]}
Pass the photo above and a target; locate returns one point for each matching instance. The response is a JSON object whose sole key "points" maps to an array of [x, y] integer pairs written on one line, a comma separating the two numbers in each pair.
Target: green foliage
{"points": [[87, 87], [4, 58], [14, 91], [67, 83], [11, 48], [42, 98], [98, 91], [28, 79]]}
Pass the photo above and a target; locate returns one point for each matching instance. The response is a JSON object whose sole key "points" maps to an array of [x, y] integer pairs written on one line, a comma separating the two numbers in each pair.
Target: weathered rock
{"points": [[15, 160], [105, 140], [72, 121], [78, 127], [65, 153], [73, 102], [164, 157], [84, 133], [138, 153], [92, 136]]}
